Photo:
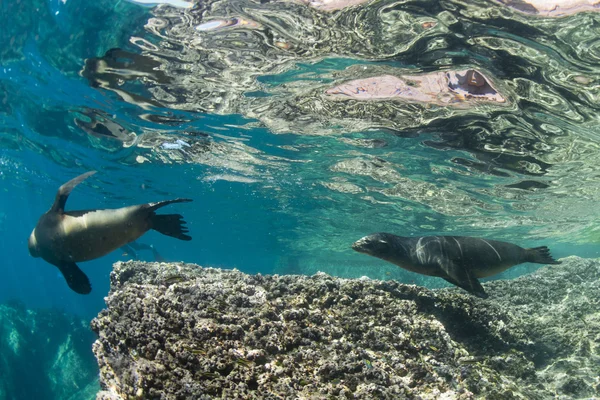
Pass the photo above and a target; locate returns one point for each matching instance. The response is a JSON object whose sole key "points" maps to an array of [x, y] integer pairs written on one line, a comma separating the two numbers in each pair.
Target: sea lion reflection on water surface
{"points": [[63, 238], [460, 260]]}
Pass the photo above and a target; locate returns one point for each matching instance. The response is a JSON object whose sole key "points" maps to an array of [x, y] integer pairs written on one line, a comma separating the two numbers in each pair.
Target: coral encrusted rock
{"points": [[179, 331]]}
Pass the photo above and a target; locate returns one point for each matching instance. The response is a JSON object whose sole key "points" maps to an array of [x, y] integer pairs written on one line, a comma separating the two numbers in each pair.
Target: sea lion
{"points": [[63, 238], [132, 248], [458, 259]]}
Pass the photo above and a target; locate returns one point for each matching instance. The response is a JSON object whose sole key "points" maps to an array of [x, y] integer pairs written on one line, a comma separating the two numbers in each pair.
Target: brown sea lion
{"points": [[458, 259], [63, 238]]}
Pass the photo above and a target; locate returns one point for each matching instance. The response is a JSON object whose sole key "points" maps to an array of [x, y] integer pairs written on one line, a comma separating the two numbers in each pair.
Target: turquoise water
{"points": [[284, 177]]}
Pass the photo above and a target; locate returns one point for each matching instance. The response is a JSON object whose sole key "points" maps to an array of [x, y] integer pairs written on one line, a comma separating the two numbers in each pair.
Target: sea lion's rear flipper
{"points": [[76, 279], [160, 204], [169, 224], [540, 255], [65, 190], [463, 278]]}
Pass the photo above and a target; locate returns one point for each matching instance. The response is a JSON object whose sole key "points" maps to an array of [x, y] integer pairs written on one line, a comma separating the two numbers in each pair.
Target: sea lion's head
{"points": [[377, 245], [33, 246]]}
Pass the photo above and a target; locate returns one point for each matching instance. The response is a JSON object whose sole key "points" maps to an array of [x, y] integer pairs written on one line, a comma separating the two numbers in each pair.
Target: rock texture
{"points": [[179, 331]]}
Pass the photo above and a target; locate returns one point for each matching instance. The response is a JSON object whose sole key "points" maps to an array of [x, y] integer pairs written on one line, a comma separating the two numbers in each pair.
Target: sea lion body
{"points": [[90, 234], [483, 257], [460, 260], [64, 238]]}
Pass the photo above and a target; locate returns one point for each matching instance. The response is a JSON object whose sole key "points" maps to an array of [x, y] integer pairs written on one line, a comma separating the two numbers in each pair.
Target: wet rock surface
{"points": [[174, 331]]}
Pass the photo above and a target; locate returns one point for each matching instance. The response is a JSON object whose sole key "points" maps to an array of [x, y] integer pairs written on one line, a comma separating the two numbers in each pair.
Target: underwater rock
{"points": [[181, 331], [45, 354]]}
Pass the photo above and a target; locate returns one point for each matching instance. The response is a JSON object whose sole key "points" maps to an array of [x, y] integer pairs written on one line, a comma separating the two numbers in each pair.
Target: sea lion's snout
{"points": [[33, 247], [358, 244], [372, 244]]}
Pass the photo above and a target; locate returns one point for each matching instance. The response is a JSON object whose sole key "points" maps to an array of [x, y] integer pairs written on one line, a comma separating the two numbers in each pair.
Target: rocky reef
{"points": [[174, 331], [45, 354]]}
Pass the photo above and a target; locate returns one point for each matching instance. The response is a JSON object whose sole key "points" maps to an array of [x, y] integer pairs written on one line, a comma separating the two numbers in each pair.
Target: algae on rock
{"points": [[181, 331]]}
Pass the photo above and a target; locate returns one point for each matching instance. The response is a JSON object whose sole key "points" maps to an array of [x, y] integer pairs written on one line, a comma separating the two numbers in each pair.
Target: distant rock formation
{"points": [[45, 354], [182, 331]]}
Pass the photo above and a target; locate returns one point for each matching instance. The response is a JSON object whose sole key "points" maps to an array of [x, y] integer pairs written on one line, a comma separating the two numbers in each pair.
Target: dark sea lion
{"points": [[63, 238], [458, 259]]}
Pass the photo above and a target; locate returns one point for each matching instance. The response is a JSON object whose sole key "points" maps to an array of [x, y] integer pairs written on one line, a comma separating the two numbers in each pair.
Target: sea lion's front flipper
{"points": [[65, 190], [76, 279], [463, 278]]}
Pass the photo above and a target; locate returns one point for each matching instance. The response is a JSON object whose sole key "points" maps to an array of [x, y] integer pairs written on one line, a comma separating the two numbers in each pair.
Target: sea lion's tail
{"points": [[169, 224], [540, 255]]}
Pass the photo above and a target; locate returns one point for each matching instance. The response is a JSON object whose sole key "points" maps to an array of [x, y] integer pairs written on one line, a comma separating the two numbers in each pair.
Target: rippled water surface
{"points": [[297, 127]]}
